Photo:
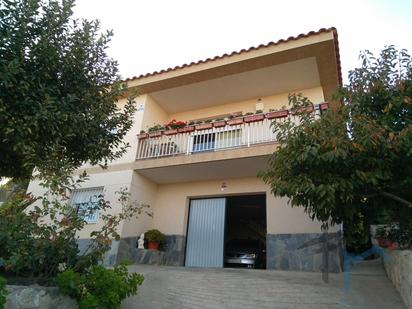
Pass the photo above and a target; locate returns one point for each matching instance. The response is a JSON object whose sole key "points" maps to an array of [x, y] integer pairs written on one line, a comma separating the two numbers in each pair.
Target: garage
{"points": [[227, 232]]}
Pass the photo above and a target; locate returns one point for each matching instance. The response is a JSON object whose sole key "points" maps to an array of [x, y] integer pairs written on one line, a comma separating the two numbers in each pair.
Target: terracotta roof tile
{"points": [[291, 38]]}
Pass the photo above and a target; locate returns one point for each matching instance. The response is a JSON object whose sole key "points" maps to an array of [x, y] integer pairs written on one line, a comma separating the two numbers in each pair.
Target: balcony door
{"points": [[210, 141]]}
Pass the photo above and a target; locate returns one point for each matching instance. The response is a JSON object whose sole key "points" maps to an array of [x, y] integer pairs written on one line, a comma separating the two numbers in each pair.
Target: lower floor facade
{"points": [[203, 220]]}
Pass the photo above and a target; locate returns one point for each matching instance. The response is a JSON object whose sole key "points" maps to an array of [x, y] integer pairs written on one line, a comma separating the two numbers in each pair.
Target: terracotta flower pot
{"points": [[386, 243], [277, 114], [307, 109], [170, 132], [142, 136], [186, 129], [324, 106], [254, 118], [219, 124], [204, 126], [155, 134], [235, 121], [152, 245]]}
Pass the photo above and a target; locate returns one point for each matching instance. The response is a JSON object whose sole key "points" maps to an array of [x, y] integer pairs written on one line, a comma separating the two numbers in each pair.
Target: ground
{"points": [[366, 286]]}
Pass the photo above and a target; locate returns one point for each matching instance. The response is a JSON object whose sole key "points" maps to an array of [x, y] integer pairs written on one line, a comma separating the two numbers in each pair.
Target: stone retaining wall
{"points": [[173, 253], [398, 266], [303, 252], [35, 296]]}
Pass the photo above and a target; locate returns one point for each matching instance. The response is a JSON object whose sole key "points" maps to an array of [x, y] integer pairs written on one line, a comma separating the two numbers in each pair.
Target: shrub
{"points": [[3, 292], [37, 241], [99, 287], [155, 236], [401, 233]]}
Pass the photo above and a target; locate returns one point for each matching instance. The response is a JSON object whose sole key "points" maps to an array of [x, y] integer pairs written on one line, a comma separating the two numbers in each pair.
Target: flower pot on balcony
{"points": [[142, 136], [186, 129], [204, 126], [324, 106], [170, 132], [235, 121], [307, 109], [219, 124], [155, 134], [277, 114], [254, 118]]}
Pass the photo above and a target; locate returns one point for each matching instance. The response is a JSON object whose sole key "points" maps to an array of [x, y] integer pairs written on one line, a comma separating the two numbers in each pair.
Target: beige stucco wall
{"points": [[274, 101], [142, 191], [153, 114], [111, 182], [172, 203], [130, 136]]}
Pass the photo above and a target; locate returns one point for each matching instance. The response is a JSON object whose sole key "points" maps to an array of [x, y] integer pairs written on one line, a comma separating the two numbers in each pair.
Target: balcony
{"points": [[234, 148], [240, 132]]}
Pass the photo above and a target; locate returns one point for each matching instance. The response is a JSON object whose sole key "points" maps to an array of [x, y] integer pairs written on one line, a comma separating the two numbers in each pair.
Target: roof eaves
{"points": [[252, 48]]}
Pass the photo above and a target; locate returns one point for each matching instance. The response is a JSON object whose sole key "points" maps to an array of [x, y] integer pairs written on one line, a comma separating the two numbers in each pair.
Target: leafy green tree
{"points": [[58, 91], [38, 236], [355, 161]]}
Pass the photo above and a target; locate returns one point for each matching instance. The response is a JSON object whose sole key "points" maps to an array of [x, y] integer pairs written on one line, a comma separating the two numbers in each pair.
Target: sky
{"points": [[155, 34]]}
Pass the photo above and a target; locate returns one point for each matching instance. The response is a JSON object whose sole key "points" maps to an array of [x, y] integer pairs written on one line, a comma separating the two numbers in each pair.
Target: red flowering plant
{"points": [[173, 124]]}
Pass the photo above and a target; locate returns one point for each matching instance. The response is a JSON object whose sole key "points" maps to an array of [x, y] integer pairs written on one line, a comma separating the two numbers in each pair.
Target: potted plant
{"points": [[154, 239], [383, 234], [258, 116], [188, 128], [235, 119], [156, 130], [207, 124], [173, 126], [142, 135], [274, 113], [219, 122]]}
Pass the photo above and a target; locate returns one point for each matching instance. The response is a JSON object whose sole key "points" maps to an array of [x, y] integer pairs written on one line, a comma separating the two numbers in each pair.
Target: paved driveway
{"points": [[178, 287]]}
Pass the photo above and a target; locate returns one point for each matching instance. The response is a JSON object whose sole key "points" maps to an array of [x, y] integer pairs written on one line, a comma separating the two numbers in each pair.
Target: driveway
{"points": [[366, 286]]}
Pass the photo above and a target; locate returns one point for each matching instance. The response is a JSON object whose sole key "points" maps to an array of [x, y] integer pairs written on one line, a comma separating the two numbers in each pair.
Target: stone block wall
{"points": [[303, 252], [398, 266], [34, 296], [173, 253]]}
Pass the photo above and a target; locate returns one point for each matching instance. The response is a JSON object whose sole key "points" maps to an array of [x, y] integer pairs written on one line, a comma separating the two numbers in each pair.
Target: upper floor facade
{"points": [[221, 109]]}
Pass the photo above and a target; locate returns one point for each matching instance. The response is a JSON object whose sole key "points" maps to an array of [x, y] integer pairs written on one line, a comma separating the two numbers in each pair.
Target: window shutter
{"points": [[84, 199]]}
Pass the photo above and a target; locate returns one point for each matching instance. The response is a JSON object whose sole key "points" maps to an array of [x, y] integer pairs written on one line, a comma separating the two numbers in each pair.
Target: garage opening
{"points": [[245, 232]]}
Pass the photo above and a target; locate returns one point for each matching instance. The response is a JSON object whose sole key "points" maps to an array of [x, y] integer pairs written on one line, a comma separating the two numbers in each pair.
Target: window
{"points": [[85, 201], [216, 140], [204, 142]]}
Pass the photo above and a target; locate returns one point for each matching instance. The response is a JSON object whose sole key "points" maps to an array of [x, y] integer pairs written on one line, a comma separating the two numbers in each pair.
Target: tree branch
{"points": [[397, 198]]}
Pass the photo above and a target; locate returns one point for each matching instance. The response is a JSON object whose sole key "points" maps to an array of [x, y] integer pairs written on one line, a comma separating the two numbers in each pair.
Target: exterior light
{"points": [[223, 186]]}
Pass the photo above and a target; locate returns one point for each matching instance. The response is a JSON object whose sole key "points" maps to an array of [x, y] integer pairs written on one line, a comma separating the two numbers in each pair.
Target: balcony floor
{"points": [[223, 164]]}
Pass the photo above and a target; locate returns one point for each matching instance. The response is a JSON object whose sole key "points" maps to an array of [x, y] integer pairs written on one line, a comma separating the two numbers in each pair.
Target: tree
{"points": [[355, 161], [58, 91]]}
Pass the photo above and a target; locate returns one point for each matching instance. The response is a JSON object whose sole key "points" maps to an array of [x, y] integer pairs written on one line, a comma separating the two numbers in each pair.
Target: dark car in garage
{"points": [[248, 253]]}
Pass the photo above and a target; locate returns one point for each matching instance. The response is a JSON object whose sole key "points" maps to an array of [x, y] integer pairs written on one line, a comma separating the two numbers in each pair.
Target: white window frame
{"points": [[85, 198], [235, 139]]}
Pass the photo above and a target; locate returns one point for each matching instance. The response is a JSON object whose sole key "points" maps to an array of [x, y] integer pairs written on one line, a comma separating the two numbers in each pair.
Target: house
{"points": [[201, 179]]}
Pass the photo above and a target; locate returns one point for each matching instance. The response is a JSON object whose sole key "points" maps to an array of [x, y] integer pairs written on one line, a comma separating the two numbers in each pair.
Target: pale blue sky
{"points": [[157, 34]]}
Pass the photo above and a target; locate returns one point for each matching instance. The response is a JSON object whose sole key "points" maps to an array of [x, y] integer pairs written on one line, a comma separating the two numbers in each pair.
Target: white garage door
{"points": [[206, 233]]}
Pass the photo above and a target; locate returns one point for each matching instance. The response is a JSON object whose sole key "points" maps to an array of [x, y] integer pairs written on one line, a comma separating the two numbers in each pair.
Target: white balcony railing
{"points": [[213, 139]]}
